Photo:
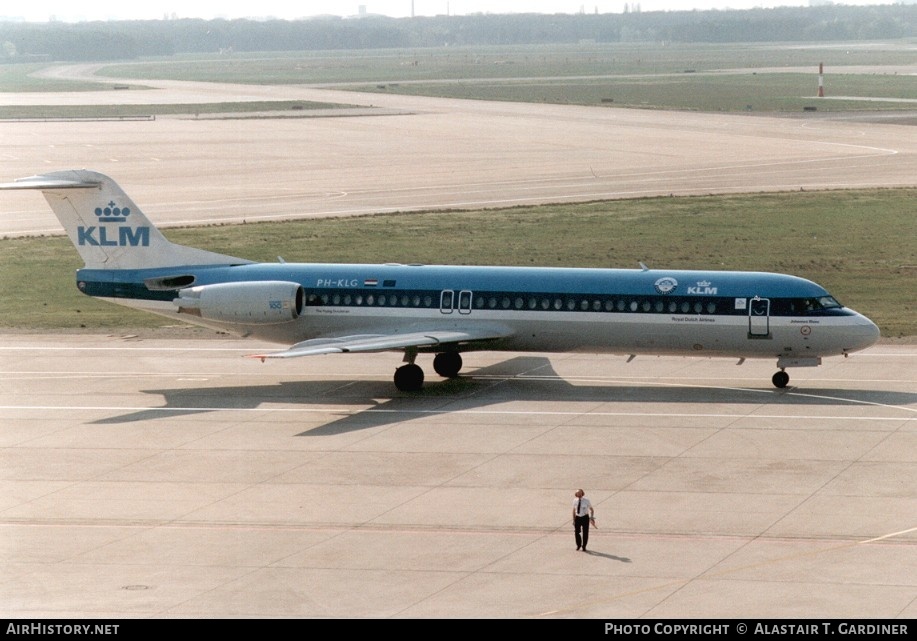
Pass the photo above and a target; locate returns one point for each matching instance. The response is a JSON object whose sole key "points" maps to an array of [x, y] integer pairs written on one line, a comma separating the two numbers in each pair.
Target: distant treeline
{"points": [[132, 39]]}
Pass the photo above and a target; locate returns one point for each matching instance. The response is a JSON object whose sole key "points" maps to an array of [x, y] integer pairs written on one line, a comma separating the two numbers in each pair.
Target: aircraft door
{"points": [[759, 318], [464, 302], [446, 301]]}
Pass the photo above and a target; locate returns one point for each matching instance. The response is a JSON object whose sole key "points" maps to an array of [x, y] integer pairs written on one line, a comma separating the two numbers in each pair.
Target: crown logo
{"points": [[112, 213], [703, 283]]}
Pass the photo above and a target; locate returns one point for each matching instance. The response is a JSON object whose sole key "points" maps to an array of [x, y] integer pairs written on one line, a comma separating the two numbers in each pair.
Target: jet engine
{"points": [[248, 303]]}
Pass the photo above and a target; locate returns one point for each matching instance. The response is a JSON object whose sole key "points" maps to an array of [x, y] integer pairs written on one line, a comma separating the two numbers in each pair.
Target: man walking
{"points": [[582, 515]]}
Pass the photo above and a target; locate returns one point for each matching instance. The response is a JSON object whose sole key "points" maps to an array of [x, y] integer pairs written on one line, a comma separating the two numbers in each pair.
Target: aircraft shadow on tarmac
{"points": [[524, 378]]}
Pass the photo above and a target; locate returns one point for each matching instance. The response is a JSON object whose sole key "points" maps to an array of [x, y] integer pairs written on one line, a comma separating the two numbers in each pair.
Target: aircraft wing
{"points": [[385, 342]]}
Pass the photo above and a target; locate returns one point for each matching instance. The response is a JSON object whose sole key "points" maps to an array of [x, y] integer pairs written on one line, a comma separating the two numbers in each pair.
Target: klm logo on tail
{"points": [[109, 236]]}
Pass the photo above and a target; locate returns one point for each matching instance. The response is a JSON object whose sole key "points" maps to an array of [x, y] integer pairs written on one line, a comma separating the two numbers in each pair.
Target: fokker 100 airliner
{"points": [[444, 310]]}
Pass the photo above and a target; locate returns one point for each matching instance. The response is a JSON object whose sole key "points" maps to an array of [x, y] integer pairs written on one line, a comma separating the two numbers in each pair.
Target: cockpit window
{"points": [[821, 303], [818, 304]]}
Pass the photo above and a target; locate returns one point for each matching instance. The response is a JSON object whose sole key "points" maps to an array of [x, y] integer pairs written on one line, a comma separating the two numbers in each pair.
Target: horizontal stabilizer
{"points": [[47, 182], [107, 228]]}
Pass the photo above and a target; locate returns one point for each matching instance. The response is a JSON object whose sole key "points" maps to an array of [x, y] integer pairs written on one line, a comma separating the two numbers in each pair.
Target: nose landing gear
{"points": [[780, 379]]}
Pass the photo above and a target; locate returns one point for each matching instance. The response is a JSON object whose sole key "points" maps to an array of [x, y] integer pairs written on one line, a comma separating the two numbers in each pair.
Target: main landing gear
{"points": [[447, 364], [409, 378]]}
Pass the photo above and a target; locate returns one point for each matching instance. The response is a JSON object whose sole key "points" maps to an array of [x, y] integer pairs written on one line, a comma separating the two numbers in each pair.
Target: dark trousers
{"points": [[581, 523]]}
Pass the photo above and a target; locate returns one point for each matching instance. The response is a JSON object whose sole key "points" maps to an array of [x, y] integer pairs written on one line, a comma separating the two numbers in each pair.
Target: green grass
{"points": [[702, 77], [116, 111], [759, 92], [19, 78], [858, 244], [534, 61], [679, 76]]}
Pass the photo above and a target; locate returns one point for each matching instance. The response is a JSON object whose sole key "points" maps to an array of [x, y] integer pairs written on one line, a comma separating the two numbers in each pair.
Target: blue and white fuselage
{"points": [[326, 308]]}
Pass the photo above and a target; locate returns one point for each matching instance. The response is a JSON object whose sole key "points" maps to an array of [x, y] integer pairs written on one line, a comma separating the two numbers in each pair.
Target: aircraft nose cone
{"points": [[863, 333]]}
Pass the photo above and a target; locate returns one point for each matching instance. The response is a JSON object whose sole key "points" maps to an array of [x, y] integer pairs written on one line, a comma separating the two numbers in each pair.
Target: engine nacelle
{"points": [[250, 303]]}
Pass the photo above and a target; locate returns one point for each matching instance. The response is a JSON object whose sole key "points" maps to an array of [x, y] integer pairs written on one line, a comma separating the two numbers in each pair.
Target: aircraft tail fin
{"points": [[107, 228]]}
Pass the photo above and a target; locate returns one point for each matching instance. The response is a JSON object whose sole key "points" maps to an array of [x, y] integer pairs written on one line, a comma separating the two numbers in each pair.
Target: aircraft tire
{"points": [[409, 378], [780, 379], [447, 364]]}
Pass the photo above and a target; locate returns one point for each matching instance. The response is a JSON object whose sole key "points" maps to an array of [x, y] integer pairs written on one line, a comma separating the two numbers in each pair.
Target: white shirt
{"points": [[583, 507]]}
